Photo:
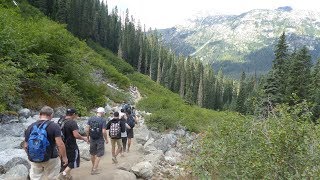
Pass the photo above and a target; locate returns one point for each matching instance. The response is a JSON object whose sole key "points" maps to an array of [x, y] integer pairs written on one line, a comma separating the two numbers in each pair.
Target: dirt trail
{"points": [[106, 168]]}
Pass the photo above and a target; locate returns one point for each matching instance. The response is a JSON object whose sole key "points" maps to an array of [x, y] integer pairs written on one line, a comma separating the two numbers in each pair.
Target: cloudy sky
{"points": [[167, 13]]}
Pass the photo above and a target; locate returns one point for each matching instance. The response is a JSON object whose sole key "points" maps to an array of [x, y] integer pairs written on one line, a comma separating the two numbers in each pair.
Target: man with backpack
{"points": [[97, 135], [116, 127], [70, 133], [131, 122], [42, 139]]}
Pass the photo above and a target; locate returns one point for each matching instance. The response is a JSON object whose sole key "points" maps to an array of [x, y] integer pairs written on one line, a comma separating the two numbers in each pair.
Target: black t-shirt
{"points": [[122, 126], [67, 130], [53, 131]]}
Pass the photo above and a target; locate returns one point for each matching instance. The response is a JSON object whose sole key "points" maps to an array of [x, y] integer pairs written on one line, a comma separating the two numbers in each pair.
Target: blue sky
{"points": [[167, 13]]}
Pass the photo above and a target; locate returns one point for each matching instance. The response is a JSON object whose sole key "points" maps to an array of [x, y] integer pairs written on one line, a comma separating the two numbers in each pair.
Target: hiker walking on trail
{"points": [[70, 133], [116, 127], [131, 122], [97, 135], [124, 136], [42, 142]]}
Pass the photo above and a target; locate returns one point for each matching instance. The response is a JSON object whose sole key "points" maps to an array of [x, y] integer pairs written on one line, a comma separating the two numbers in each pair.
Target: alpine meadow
{"points": [[250, 125]]}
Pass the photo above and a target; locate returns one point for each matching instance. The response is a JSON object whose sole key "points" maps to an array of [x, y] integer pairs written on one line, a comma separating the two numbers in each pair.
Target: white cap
{"points": [[101, 110]]}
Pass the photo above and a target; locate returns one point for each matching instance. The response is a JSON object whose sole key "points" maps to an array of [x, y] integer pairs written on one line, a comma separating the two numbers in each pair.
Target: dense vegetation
{"points": [[42, 63]]}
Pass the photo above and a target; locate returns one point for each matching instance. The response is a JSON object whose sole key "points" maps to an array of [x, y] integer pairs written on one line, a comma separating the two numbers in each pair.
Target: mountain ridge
{"points": [[222, 39]]}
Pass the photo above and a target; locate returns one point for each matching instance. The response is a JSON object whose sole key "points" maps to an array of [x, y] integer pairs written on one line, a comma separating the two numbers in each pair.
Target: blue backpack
{"points": [[38, 143]]}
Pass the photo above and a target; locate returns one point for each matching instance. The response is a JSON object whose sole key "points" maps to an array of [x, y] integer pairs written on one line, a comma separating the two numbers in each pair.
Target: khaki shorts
{"points": [[118, 141], [45, 170]]}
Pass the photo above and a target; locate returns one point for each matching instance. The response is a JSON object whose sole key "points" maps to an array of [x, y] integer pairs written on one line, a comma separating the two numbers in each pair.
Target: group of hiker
{"points": [[52, 147]]}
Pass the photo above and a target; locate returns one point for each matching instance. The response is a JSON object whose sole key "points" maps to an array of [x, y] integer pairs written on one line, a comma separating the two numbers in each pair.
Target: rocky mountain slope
{"points": [[246, 41]]}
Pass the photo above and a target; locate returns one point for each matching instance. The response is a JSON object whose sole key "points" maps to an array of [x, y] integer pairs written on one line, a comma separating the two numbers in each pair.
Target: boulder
{"points": [[84, 150], [18, 172], [155, 135], [26, 113], [126, 166], [143, 170], [180, 132], [166, 142], [8, 154], [9, 142], [142, 134], [59, 111], [2, 169], [122, 175], [155, 157], [13, 129], [148, 143], [16, 161], [149, 149], [4, 118]]}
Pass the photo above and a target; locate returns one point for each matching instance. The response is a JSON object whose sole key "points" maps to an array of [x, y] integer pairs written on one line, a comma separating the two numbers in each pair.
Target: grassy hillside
{"points": [[42, 63], [169, 110]]}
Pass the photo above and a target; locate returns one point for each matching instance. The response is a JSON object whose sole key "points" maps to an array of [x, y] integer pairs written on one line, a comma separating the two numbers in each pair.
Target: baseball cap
{"points": [[71, 111], [101, 110]]}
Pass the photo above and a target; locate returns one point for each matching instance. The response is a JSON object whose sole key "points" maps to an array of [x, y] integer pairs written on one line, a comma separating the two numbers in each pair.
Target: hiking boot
{"points": [[94, 171], [62, 177], [114, 160]]}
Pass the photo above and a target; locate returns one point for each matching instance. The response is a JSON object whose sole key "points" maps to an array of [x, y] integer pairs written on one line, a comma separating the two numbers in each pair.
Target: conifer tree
{"points": [[182, 78], [219, 91], [300, 75], [315, 89], [209, 87], [200, 90], [159, 72], [279, 68], [240, 107]]}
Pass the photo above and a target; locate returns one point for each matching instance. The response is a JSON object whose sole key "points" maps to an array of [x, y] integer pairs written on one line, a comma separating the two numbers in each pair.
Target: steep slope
{"points": [[42, 63], [246, 40]]}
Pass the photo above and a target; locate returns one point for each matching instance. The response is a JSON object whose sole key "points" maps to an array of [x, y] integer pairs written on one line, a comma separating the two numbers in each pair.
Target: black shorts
{"points": [[97, 147], [73, 158], [130, 133]]}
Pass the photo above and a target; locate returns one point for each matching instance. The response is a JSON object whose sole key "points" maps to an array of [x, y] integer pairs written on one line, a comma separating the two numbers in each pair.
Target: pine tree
{"points": [[242, 95], [279, 68], [315, 89], [219, 91], [159, 72], [182, 79], [200, 91], [300, 75]]}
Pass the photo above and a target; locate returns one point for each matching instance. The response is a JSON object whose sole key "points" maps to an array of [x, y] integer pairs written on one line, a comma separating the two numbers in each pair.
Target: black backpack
{"points": [[126, 107], [131, 121], [95, 130], [62, 121]]}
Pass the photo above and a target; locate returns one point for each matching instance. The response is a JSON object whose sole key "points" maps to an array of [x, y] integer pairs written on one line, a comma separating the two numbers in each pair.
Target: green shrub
{"points": [[121, 65], [42, 63], [276, 148]]}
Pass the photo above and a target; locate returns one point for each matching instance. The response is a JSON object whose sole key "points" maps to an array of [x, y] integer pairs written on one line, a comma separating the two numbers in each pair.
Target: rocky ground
{"points": [[154, 155]]}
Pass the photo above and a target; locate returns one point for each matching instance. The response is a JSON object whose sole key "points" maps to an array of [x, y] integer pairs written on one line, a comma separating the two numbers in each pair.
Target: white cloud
{"points": [[167, 13]]}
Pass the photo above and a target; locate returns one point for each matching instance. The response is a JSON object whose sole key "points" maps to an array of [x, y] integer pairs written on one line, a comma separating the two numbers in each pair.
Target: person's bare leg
{"points": [[93, 158], [119, 149], [113, 150], [129, 144], [96, 163]]}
